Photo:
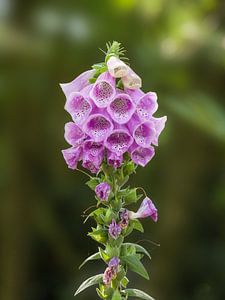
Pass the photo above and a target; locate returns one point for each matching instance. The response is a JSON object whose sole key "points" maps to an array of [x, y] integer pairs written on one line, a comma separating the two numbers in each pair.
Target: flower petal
{"points": [[141, 156], [103, 90], [146, 106], [119, 141], [121, 108], [98, 127], [78, 83]]}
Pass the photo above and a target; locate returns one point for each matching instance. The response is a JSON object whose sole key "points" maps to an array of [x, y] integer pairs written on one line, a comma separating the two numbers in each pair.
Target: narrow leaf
{"points": [[89, 282], [138, 294], [137, 225], [94, 256], [135, 265], [116, 295], [139, 248]]}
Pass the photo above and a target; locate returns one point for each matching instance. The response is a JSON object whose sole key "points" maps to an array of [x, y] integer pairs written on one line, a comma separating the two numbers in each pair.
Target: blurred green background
{"points": [[178, 47]]}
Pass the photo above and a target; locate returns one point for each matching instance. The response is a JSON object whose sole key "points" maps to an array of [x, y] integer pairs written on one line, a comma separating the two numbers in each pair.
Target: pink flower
{"points": [[103, 90], [147, 209], [159, 124], [78, 107], [147, 106], [98, 127], [72, 156], [114, 159], [121, 108], [73, 134], [141, 156], [119, 141], [78, 83]]}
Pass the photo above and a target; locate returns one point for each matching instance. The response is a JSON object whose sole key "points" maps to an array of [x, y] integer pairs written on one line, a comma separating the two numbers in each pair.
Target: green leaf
{"points": [[103, 255], [89, 282], [135, 265], [137, 225], [92, 183], [125, 282], [94, 256], [99, 235], [131, 196], [139, 248], [138, 294], [129, 168], [116, 295]]}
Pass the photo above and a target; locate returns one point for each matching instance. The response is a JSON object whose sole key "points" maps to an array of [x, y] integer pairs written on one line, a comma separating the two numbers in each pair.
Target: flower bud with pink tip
{"points": [[132, 80], [103, 90], [117, 68], [147, 209], [121, 108], [103, 190]]}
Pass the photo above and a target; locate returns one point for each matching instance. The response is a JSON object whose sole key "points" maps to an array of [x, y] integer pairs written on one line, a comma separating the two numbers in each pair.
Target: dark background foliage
{"points": [[178, 47]]}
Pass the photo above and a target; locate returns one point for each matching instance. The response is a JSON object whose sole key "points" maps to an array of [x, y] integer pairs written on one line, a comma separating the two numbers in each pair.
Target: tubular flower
{"points": [[121, 108], [103, 90], [102, 191], [98, 127], [114, 229], [112, 131], [147, 106], [78, 107], [117, 68], [72, 156], [114, 159], [119, 141], [141, 156], [147, 209], [78, 83], [73, 134]]}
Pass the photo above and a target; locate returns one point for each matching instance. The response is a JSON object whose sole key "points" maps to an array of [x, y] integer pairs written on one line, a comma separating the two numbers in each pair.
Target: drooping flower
{"points": [[124, 218], [73, 134], [147, 209], [103, 90], [119, 141], [117, 68], [92, 162], [147, 105], [78, 83], [114, 160], [93, 148], [98, 127], [144, 133], [121, 108], [132, 80], [114, 229], [141, 156], [72, 156], [159, 124], [103, 190]]}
